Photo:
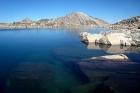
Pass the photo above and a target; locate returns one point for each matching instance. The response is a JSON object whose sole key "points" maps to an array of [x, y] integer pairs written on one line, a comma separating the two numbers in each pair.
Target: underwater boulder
{"points": [[30, 77]]}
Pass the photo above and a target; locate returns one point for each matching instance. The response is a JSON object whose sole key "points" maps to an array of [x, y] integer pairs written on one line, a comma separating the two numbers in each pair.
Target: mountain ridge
{"points": [[130, 23], [80, 19], [74, 19]]}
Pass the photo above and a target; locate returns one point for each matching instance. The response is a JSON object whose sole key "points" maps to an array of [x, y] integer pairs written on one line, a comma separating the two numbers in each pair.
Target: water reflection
{"points": [[77, 31], [114, 49]]}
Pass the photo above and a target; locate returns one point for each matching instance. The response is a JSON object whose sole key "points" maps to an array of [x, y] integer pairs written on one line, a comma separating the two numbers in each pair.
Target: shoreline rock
{"points": [[115, 37]]}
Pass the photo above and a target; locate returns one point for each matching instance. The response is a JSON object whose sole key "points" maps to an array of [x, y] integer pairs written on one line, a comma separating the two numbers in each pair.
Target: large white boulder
{"points": [[112, 57], [112, 38], [87, 37], [93, 37], [118, 39]]}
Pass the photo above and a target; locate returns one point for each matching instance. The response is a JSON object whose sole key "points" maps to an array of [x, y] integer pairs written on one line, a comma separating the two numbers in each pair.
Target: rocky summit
{"points": [[79, 19], [74, 19]]}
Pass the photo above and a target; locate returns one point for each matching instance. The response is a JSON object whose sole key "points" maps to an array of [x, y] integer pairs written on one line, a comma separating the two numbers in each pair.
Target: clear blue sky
{"points": [[108, 10]]}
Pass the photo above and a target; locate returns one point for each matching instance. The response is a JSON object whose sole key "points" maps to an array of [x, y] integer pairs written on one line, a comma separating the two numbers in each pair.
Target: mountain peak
{"points": [[79, 19], [26, 20], [80, 13]]}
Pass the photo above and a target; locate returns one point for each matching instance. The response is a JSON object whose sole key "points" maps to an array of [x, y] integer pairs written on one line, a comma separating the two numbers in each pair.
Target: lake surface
{"points": [[42, 60]]}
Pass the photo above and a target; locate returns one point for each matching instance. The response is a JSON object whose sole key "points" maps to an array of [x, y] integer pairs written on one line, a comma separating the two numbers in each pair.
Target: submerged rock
{"points": [[122, 83], [117, 76], [112, 57], [98, 70], [30, 77], [86, 88]]}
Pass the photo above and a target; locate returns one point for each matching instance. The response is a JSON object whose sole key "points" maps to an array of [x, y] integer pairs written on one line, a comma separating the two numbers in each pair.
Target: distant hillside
{"points": [[132, 23], [74, 19]]}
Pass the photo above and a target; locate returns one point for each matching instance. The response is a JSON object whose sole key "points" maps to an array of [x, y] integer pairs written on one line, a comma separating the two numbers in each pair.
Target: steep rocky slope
{"points": [[131, 23], [79, 19]]}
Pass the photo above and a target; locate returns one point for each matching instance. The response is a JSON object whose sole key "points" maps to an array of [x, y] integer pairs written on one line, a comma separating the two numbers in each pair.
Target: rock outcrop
{"points": [[115, 37], [131, 23]]}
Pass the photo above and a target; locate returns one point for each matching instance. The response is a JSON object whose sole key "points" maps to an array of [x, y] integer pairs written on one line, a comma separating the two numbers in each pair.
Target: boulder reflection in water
{"points": [[114, 49]]}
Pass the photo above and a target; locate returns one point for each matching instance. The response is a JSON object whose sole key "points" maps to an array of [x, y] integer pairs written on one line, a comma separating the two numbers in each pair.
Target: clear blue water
{"points": [[24, 53]]}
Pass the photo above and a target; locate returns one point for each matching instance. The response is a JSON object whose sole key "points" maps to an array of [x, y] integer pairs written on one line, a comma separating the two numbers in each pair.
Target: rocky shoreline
{"points": [[113, 37]]}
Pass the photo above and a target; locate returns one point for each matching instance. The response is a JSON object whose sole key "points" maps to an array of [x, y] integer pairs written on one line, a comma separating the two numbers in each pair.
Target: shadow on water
{"points": [[121, 76], [134, 57], [75, 69]]}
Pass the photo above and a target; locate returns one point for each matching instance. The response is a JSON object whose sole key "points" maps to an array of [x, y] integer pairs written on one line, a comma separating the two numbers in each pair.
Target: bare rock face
{"points": [[72, 20], [27, 20], [79, 19], [115, 37], [131, 23]]}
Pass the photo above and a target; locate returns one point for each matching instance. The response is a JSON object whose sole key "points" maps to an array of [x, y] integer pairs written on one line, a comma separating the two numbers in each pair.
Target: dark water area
{"points": [[46, 61]]}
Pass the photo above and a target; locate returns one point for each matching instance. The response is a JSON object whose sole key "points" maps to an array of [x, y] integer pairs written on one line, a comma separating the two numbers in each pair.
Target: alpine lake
{"points": [[47, 61]]}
